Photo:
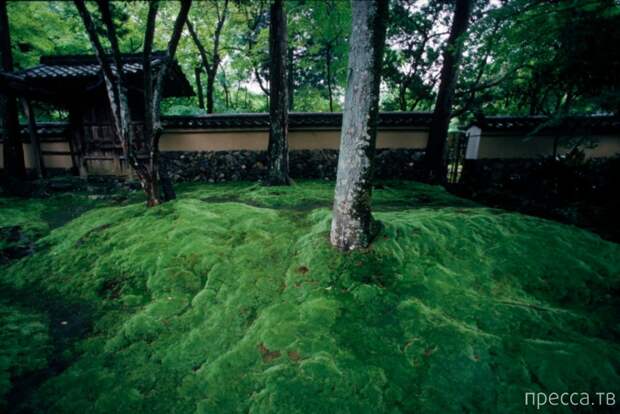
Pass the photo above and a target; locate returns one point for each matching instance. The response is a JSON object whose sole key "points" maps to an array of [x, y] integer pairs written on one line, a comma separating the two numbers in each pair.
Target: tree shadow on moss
{"points": [[307, 205]]}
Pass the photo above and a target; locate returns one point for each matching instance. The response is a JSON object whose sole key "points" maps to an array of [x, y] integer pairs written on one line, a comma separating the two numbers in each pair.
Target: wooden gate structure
{"points": [[75, 83], [457, 145]]}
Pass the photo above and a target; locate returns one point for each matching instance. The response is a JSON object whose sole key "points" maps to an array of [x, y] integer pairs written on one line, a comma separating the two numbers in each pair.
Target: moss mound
{"points": [[25, 345], [230, 299]]}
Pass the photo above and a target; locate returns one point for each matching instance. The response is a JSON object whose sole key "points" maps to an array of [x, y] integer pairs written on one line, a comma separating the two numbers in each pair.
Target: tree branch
{"points": [[216, 36], [123, 103], [165, 66], [108, 77], [146, 68], [201, 49]]}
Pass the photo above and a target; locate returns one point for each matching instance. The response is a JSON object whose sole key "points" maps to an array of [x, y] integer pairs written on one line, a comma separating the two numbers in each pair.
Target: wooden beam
{"points": [[56, 153]]}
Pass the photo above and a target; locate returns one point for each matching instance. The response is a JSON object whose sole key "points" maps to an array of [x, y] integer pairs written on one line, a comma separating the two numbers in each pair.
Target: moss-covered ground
{"points": [[230, 299]]}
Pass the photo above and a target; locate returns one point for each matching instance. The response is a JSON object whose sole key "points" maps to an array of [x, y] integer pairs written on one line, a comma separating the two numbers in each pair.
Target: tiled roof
{"points": [[81, 68], [591, 123], [296, 120], [300, 120], [46, 71], [255, 121]]}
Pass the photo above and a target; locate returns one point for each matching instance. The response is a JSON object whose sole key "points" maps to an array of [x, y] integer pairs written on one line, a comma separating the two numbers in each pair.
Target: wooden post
{"points": [[77, 141], [35, 144]]}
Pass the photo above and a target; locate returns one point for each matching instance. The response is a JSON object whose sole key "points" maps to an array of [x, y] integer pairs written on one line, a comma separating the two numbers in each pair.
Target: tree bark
{"points": [[151, 132], [353, 226], [435, 157], [14, 163], [277, 150]]}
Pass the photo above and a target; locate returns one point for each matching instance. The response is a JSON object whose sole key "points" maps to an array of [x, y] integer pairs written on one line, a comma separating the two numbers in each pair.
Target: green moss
{"points": [[25, 345], [36, 217], [231, 299]]}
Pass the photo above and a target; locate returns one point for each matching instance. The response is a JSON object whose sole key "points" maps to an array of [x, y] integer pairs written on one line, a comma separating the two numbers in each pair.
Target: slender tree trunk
{"points": [[211, 61], [435, 157], [227, 98], [291, 79], [201, 99], [353, 226], [14, 163], [328, 64], [278, 98], [402, 97], [210, 87], [35, 144]]}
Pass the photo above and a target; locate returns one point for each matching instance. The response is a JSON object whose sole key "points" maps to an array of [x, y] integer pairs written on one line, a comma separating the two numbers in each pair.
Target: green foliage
{"points": [[411, 61], [44, 28], [521, 56], [318, 37], [543, 57], [230, 299]]}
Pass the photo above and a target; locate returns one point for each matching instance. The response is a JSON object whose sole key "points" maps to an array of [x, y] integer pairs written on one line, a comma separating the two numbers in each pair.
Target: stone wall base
{"points": [[219, 166], [583, 193]]}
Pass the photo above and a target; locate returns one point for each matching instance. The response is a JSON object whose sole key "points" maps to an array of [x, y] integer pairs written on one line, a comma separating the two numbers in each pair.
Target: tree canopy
{"points": [[520, 56]]}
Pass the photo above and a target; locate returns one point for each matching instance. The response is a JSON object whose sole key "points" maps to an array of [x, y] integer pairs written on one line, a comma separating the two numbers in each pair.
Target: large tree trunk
{"points": [[435, 158], [14, 164], [353, 226], [278, 98]]}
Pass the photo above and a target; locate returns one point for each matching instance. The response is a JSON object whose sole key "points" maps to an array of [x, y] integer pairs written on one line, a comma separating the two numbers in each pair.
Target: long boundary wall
{"points": [[222, 147]]}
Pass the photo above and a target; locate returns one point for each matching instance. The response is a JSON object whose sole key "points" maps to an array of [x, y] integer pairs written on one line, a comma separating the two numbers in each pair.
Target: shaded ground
{"points": [[598, 216], [230, 299], [572, 191]]}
